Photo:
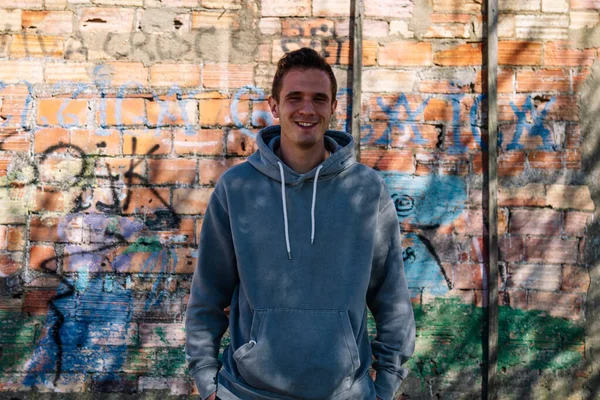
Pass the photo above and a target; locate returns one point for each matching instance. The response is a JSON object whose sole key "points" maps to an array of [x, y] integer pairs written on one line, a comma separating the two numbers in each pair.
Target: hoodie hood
{"points": [[339, 144]]}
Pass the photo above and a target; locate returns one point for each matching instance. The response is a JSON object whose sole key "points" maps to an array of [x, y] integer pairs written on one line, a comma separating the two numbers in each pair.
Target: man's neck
{"points": [[303, 160]]}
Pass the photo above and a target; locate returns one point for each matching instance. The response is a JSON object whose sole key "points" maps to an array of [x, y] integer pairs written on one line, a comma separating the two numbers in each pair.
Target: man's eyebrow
{"points": [[298, 92]]}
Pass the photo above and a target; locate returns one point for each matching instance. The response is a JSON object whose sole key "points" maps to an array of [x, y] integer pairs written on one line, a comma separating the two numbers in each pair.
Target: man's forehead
{"points": [[307, 80]]}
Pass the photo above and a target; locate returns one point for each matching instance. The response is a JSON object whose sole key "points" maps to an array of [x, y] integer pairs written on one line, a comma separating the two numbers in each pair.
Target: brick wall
{"points": [[117, 117]]}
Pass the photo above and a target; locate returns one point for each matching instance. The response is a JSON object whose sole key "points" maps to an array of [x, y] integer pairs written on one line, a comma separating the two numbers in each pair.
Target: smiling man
{"points": [[299, 241]]}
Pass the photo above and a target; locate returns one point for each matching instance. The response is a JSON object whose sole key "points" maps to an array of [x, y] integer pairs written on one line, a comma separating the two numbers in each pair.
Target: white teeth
{"points": [[305, 123]]}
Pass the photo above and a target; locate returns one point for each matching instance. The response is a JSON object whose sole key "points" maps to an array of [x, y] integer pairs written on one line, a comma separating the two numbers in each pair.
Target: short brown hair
{"points": [[304, 58]]}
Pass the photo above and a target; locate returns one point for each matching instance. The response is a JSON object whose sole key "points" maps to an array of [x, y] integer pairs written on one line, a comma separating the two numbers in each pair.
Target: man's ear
{"points": [[333, 106], [273, 106]]}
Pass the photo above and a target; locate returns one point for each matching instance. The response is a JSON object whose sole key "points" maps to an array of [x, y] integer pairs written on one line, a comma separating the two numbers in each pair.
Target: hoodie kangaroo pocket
{"points": [[300, 353]]}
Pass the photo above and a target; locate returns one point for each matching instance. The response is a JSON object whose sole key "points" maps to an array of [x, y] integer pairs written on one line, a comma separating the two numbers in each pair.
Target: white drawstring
{"points": [[312, 209], [285, 219]]}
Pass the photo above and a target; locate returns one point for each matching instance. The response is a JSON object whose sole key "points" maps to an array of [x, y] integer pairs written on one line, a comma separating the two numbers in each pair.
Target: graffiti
{"points": [[393, 113], [113, 232], [425, 203], [533, 128], [258, 117]]}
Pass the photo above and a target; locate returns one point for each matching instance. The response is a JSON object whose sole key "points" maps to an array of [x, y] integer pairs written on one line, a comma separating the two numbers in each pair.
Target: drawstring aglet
{"points": [[289, 255]]}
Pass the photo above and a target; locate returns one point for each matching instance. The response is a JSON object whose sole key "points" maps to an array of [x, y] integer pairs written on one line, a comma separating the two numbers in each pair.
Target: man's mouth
{"points": [[306, 124]]}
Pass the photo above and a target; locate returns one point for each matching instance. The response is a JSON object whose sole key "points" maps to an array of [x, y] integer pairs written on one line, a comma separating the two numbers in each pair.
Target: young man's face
{"points": [[304, 108]]}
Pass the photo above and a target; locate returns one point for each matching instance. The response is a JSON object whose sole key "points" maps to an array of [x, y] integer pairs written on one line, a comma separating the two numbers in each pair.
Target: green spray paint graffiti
{"points": [[449, 339]]}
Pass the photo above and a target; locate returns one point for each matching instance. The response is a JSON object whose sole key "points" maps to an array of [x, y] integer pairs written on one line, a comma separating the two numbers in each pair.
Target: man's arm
{"points": [[389, 301], [213, 283]]}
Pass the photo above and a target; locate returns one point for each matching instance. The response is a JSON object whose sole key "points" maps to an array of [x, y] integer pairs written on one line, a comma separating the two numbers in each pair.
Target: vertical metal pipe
{"points": [[492, 323], [356, 20]]}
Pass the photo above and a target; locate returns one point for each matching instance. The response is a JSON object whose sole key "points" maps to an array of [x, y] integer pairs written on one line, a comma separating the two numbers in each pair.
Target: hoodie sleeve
{"points": [[213, 283], [389, 301]]}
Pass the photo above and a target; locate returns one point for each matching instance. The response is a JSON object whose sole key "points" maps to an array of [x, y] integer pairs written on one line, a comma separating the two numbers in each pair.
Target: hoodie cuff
{"points": [[206, 380], [386, 384]]}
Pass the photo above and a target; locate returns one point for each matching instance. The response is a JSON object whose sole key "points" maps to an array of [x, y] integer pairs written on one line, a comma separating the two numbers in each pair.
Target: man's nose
{"points": [[307, 107]]}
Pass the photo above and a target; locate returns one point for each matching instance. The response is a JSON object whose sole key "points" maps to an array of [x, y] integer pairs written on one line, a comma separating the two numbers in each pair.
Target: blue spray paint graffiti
{"points": [[534, 128], [393, 113], [425, 202]]}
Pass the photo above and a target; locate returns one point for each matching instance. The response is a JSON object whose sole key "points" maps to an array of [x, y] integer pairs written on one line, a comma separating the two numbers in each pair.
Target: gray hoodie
{"points": [[299, 257]]}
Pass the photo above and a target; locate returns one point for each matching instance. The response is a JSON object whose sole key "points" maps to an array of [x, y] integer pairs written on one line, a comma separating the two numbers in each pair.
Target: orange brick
{"points": [[121, 112], [219, 112], [123, 73], [222, 4], [221, 21], [3, 237], [545, 80], [467, 6], [296, 8], [23, 46], [399, 9], [227, 76], [63, 112], [579, 78], [49, 200], [18, 70], [405, 54], [384, 134], [388, 160], [443, 109], [519, 53], [181, 75], [172, 171], [338, 52], [50, 22], [575, 279], [460, 138], [531, 195], [12, 140], [386, 107], [572, 159], [187, 259], [146, 142], [10, 263], [146, 200], [559, 54], [42, 258], [462, 55], [545, 160], [44, 229], [182, 234], [282, 46], [180, 112], [191, 201], [556, 304], [36, 302], [504, 81], [585, 4], [49, 137], [15, 106], [129, 170], [511, 163], [200, 141], [449, 26], [240, 144], [70, 71], [211, 170], [443, 164], [98, 141], [307, 27], [15, 238]]}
